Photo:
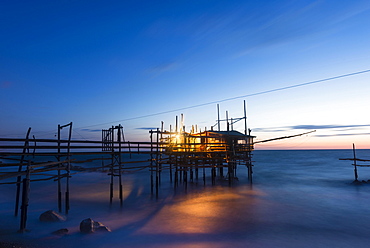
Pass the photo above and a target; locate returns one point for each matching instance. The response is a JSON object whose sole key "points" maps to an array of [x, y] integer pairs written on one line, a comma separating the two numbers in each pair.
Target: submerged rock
{"points": [[61, 232], [87, 226], [90, 226], [51, 216], [99, 227]]}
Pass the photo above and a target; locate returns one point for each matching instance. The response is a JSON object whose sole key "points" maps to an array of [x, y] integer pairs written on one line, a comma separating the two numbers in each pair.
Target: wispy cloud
{"points": [[334, 130], [294, 22], [313, 127], [269, 129], [328, 126], [340, 134], [162, 68], [146, 128]]}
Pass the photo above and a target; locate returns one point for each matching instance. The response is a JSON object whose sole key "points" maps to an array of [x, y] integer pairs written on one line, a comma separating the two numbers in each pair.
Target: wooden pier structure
{"points": [[186, 156]]}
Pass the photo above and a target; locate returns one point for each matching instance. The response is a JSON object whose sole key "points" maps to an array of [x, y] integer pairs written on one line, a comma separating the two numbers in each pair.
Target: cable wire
{"points": [[237, 97]]}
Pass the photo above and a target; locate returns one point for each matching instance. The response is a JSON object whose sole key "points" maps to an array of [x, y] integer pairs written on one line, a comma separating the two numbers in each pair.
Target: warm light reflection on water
{"points": [[204, 212]]}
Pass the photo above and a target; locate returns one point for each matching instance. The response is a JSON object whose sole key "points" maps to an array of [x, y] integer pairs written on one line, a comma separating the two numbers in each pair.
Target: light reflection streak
{"points": [[206, 212]]}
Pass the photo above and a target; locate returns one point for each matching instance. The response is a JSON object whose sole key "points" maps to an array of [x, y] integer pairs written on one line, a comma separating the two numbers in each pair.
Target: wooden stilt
{"points": [[176, 177], [157, 166], [170, 156], [354, 162], [120, 136], [68, 167], [151, 162], [25, 201], [111, 165], [19, 178], [59, 177]]}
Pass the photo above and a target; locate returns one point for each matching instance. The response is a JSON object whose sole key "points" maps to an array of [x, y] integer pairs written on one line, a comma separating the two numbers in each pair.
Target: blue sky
{"points": [[101, 63]]}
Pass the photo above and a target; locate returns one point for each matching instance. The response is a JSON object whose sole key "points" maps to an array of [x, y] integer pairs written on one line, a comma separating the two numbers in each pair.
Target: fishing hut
{"points": [[185, 153]]}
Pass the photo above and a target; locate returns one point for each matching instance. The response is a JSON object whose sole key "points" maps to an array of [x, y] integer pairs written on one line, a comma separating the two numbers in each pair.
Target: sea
{"points": [[297, 198]]}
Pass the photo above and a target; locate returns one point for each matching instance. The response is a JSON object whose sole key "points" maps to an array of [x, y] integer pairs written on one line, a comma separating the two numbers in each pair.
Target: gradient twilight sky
{"points": [[103, 63]]}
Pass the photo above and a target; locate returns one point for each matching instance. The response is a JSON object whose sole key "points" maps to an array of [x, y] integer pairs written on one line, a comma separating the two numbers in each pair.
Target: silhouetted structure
{"points": [[183, 154]]}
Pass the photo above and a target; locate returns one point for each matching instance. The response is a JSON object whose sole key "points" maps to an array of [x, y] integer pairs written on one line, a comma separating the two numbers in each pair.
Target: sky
{"points": [[138, 63]]}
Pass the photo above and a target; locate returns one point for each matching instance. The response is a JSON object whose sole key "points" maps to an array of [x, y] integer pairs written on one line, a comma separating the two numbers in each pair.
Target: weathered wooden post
{"points": [[218, 117], [151, 162], [176, 172], [111, 139], [25, 200], [157, 165], [19, 178], [59, 183], [119, 134], [159, 150], [354, 161], [170, 156], [68, 168], [68, 165]]}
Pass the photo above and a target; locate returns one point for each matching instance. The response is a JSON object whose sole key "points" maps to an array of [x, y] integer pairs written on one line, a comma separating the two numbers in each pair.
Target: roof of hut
{"points": [[230, 133]]}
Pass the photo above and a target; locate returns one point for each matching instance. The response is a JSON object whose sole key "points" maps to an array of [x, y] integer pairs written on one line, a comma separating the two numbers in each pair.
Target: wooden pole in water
{"points": [[245, 119], [176, 129], [59, 179], [176, 171], [221, 170], [68, 166], [196, 170], [227, 121], [204, 174], [182, 123], [19, 178], [25, 200], [176, 158], [157, 166], [24, 206], [120, 163], [354, 161], [151, 162], [218, 117], [181, 157], [248, 152], [250, 171], [170, 156], [160, 152], [111, 134], [191, 171]]}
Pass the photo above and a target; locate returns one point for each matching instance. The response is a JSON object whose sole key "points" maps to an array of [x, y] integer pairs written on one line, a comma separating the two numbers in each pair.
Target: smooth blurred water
{"points": [[297, 199]]}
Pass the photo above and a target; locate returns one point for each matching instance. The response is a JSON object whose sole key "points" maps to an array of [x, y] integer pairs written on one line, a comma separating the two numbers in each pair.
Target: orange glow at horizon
{"points": [[361, 142]]}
